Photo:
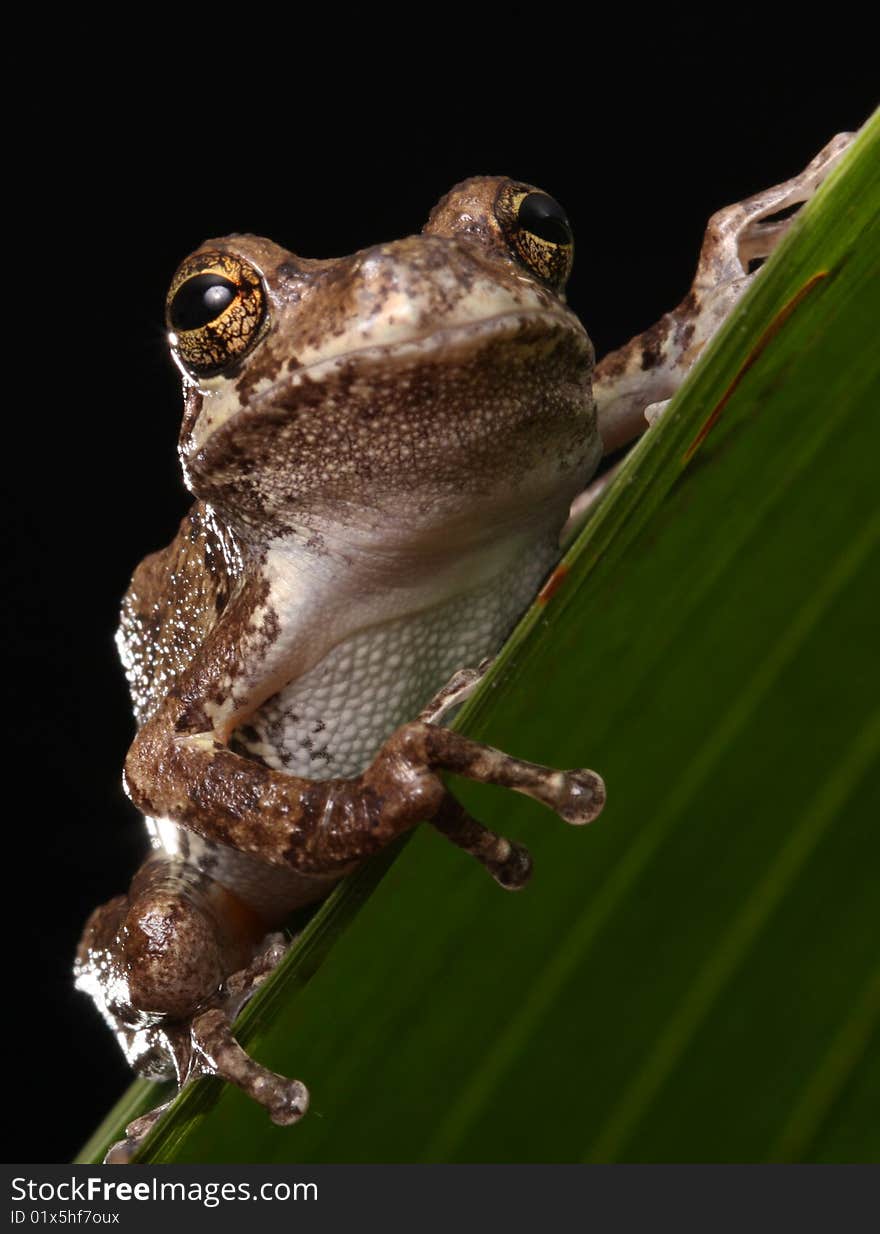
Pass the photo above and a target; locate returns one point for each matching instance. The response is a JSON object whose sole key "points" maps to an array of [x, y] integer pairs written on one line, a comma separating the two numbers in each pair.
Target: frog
{"points": [[385, 452]]}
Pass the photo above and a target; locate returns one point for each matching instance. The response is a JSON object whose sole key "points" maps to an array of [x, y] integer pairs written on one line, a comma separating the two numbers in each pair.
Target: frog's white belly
{"points": [[331, 721]]}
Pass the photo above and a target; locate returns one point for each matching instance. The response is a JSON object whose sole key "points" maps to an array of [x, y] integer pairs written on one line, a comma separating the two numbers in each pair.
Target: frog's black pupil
{"points": [[201, 299], [545, 218]]}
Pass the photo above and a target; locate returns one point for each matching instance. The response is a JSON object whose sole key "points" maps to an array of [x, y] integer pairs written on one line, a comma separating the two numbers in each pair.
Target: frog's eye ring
{"points": [[537, 231], [215, 309]]}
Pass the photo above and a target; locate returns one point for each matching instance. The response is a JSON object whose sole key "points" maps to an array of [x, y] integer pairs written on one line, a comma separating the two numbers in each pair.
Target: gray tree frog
{"points": [[384, 449]]}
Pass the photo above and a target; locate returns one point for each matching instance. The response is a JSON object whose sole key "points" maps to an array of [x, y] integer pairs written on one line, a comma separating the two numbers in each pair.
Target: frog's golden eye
{"points": [[215, 308], [537, 231]]}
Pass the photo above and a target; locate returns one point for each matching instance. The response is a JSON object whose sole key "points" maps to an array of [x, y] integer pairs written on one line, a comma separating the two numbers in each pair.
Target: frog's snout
{"points": [[408, 288]]}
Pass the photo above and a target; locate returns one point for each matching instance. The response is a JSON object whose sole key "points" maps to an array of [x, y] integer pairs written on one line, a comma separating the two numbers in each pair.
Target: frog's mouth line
{"points": [[275, 394], [534, 325]]}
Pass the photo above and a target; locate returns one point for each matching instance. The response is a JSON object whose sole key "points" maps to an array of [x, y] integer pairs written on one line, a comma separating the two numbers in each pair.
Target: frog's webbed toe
{"points": [[739, 238], [577, 796], [743, 234], [654, 411]]}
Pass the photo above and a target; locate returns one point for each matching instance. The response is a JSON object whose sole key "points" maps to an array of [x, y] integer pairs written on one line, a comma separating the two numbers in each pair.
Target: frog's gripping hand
{"points": [[650, 368]]}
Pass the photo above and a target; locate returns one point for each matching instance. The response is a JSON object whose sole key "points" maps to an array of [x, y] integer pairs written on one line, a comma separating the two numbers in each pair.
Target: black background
{"points": [[121, 176]]}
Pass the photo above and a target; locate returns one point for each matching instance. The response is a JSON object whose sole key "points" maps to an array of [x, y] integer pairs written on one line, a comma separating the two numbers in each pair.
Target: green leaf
{"points": [[695, 977]]}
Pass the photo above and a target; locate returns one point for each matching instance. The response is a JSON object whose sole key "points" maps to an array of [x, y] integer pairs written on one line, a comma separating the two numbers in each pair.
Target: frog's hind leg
{"points": [[215, 1052], [219, 1054], [205, 1046], [649, 368]]}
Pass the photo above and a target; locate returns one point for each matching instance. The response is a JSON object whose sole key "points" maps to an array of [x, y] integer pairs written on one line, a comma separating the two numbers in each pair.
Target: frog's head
{"points": [[436, 375]]}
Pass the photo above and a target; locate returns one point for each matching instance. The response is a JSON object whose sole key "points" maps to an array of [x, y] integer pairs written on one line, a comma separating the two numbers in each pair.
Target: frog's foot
{"points": [[743, 234], [654, 411], [650, 368], [219, 1054], [509, 863], [577, 796], [407, 768], [216, 1052], [457, 690], [206, 1046], [243, 985], [585, 502], [417, 749], [123, 1151]]}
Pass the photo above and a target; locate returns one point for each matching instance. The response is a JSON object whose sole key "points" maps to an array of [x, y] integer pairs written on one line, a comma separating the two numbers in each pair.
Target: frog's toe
{"points": [[509, 863], [582, 796], [577, 796], [120, 1153], [512, 865], [287, 1102], [123, 1151], [654, 411]]}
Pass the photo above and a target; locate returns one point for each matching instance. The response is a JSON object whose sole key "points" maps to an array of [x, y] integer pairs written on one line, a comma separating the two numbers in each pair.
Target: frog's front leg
{"points": [[648, 370], [181, 767], [326, 827]]}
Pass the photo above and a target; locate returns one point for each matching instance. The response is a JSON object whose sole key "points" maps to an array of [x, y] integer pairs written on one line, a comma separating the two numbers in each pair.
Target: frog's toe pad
{"points": [[582, 797], [288, 1103], [654, 411], [123, 1151], [512, 867]]}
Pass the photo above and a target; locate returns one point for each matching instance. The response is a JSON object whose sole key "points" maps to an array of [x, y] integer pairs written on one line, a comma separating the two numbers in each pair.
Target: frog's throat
{"points": [[279, 385]]}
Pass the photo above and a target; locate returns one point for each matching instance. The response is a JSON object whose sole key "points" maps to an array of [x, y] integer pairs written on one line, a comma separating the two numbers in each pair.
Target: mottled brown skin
{"points": [[649, 369], [393, 431], [396, 414]]}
